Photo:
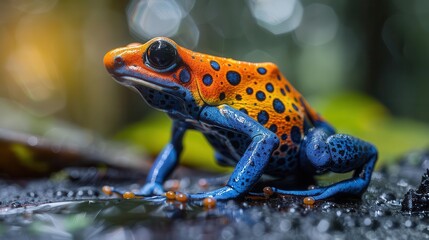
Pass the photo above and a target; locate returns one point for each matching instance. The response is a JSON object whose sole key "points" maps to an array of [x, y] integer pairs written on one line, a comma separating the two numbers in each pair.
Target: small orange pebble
{"points": [[202, 182], [309, 201], [170, 195], [268, 191], [107, 190], [209, 202], [181, 197], [128, 195]]}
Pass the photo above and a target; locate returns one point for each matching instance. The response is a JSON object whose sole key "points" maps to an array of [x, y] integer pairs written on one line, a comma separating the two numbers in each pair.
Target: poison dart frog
{"points": [[251, 115]]}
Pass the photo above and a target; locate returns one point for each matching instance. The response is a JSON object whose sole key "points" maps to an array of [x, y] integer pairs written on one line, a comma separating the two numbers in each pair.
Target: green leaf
{"points": [[366, 118]]}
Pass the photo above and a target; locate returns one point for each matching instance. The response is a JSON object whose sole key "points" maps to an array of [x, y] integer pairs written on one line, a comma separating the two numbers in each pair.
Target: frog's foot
{"points": [[224, 193], [149, 189], [301, 193]]}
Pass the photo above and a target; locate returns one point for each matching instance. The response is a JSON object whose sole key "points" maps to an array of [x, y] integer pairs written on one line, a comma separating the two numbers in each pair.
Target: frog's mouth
{"points": [[130, 81]]}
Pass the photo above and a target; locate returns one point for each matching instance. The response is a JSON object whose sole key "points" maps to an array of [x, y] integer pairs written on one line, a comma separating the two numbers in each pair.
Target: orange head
{"points": [[156, 64], [158, 71]]}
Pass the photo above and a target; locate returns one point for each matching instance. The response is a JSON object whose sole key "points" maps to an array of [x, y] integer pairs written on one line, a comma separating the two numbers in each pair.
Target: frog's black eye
{"points": [[161, 55]]}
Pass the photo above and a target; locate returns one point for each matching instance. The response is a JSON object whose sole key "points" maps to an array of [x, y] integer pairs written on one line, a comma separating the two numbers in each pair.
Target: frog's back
{"points": [[260, 91]]}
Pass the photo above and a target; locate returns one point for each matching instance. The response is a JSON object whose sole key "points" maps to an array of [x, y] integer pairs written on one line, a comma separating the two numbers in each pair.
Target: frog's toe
{"points": [[150, 189], [224, 193], [302, 193], [199, 196]]}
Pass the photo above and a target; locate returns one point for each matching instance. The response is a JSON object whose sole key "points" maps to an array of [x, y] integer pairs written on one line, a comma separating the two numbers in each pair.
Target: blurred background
{"points": [[363, 64]]}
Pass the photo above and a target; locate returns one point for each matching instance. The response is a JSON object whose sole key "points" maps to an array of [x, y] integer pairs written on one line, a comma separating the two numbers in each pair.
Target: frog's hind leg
{"points": [[338, 153]]}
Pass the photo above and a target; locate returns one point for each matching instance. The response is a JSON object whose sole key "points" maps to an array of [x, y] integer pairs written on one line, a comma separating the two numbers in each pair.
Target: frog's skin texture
{"points": [[253, 117]]}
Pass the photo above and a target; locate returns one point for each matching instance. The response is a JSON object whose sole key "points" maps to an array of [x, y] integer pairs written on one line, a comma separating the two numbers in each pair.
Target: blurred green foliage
{"points": [[366, 118], [152, 134]]}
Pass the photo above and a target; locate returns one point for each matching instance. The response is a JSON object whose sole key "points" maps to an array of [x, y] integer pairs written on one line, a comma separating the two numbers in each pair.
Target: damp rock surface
{"points": [[76, 208], [417, 201]]}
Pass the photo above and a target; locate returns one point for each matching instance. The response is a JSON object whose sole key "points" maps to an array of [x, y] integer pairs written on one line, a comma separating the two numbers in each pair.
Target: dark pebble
{"points": [[15, 205]]}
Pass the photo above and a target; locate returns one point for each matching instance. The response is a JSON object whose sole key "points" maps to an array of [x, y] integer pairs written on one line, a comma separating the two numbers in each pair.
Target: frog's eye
{"points": [[161, 55]]}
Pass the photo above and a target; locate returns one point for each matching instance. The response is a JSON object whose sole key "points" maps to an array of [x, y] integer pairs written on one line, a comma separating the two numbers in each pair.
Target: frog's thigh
{"points": [[338, 153], [252, 163]]}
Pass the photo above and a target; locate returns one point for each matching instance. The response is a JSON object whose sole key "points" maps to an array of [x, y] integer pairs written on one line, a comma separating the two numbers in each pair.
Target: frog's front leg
{"points": [[338, 153], [251, 165], [166, 161]]}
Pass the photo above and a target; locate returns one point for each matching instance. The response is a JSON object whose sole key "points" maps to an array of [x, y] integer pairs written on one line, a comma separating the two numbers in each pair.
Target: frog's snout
{"points": [[113, 60]]}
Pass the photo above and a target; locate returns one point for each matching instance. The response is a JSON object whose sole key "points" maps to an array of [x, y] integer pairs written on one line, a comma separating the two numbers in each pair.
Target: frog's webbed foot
{"points": [[224, 193], [149, 189]]}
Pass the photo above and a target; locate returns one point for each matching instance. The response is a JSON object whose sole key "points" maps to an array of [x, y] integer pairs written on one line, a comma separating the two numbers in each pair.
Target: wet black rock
{"points": [[417, 201], [74, 206]]}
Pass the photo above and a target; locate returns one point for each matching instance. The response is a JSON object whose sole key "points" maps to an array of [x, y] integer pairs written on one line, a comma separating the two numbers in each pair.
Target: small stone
{"points": [[170, 195], [181, 197], [209, 202], [268, 191], [309, 201], [107, 190], [15, 205], [128, 195]]}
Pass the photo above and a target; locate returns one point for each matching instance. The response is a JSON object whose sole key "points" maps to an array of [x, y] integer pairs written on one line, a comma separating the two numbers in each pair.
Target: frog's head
{"points": [[157, 70]]}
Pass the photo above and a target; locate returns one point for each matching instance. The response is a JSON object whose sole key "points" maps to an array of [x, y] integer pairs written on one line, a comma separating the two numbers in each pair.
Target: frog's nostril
{"points": [[113, 61], [119, 61]]}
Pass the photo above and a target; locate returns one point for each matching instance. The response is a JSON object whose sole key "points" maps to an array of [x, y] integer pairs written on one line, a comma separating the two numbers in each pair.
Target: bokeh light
{"points": [[277, 16], [153, 18], [35, 84], [422, 12], [319, 25], [34, 6]]}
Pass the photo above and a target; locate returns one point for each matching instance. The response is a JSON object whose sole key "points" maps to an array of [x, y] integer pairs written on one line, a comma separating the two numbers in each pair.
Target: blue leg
{"points": [[164, 164], [166, 161], [251, 165], [337, 153]]}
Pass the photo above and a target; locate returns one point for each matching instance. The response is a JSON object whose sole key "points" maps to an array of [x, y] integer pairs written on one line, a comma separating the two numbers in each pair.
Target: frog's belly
{"points": [[232, 145]]}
